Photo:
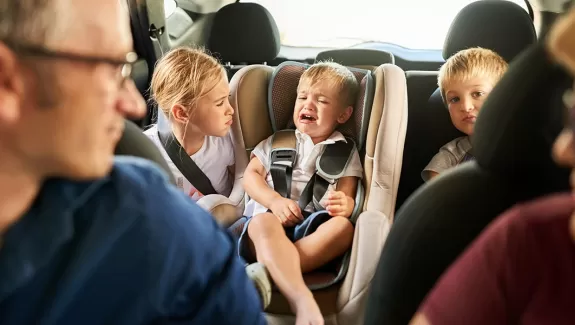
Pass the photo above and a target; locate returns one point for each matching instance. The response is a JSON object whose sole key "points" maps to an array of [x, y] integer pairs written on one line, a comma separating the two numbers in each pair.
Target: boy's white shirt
{"points": [[213, 158], [304, 169]]}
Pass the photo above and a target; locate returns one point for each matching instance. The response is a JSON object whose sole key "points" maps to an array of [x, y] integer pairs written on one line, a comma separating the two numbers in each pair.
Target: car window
{"points": [[414, 24]]}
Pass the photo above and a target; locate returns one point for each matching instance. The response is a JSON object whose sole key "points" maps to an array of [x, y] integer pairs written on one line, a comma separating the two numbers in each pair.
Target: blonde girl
{"points": [[191, 89]]}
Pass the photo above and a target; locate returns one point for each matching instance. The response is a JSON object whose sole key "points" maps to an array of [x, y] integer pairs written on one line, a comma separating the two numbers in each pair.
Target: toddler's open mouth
{"points": [[307, 118]]}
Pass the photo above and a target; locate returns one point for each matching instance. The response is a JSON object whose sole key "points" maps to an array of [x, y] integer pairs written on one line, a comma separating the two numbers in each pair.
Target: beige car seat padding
{"points": [[249, 88], [284, 140]]}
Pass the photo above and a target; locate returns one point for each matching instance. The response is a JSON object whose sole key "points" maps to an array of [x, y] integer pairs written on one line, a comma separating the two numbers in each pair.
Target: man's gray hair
{"points": [[30, 21]]}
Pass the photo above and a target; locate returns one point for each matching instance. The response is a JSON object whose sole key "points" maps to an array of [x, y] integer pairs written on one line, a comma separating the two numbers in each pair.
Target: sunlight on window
{"points": [[416, 24]]}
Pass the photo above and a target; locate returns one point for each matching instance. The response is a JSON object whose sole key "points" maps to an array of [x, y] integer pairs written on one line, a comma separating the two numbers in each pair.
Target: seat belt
{"points": [[282, 160], [180, 158], [330, 166]]}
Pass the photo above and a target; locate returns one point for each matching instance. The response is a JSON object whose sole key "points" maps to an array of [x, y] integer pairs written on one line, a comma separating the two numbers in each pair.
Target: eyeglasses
{"points": [[125, 66]]}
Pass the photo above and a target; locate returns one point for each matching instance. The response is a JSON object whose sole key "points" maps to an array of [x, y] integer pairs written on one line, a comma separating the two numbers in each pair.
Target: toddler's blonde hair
{"points": [[336, 74], [471, 63]]}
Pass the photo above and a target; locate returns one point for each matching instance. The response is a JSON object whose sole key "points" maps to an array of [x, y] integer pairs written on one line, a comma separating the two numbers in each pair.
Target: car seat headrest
{"points": [[359, 58], [515, 131], [282, 94], [244, 33], [501, 26]]}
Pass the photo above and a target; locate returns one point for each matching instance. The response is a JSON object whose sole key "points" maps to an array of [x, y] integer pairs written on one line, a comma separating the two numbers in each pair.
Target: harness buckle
{"points": [[283, 156]]}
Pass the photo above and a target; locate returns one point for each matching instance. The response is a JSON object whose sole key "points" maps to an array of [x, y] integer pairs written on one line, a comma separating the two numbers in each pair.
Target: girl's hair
{"points": [[183, 76]]}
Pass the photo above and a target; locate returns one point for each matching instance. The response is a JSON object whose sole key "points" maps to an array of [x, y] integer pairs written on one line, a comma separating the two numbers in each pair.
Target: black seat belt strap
{"points": [[330, 167], [184, 163], [315, 188], [283, 156]]}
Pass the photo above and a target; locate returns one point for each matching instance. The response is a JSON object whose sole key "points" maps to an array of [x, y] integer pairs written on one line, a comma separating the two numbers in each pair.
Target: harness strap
{"points": [[330, 166], [333, 161], [282, 160], [315, 188]]}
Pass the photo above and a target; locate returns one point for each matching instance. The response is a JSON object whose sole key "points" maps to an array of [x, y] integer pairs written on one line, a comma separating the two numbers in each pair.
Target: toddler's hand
{"points": [[287, 211], [338, 204]]}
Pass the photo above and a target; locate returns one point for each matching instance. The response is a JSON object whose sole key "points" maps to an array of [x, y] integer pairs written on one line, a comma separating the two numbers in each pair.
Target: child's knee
{"points": [[340, 226], [264, 224]]}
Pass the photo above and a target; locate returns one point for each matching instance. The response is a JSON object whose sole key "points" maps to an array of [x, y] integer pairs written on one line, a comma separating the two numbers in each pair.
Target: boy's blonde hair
{"points": [[183, 76], [471, 63], [336, 74]]}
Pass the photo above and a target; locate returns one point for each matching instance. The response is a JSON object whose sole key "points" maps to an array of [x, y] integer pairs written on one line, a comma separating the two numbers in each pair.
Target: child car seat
{"points": [[264, 99]]}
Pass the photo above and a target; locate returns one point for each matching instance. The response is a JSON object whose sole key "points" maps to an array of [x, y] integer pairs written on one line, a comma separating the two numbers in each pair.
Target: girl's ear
{"points": [[180, 114]]}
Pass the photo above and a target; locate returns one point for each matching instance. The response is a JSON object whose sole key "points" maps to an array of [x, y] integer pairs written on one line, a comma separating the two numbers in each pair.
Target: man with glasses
{"points": [[85, 239]]}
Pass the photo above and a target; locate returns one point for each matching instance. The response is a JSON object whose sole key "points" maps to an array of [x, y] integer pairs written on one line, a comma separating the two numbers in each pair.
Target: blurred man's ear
{"points": [[11, 86]]}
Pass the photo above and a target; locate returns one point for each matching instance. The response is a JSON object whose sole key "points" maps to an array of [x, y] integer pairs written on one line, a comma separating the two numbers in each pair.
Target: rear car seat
{"points": [[243, 34], [358, 58], [512, 147], [264, 98], [501, 26]]}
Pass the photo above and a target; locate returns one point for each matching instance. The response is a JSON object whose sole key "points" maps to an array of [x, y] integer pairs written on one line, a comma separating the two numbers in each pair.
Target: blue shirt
{"points": [[126, 249]]}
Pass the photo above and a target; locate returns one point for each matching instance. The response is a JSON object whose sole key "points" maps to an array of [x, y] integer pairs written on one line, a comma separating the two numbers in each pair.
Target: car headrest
{"points": [[521, 118], [501, 26], [282, 94], [244, 33], [359, 58]]}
